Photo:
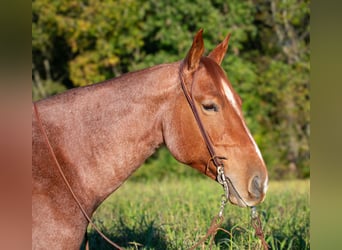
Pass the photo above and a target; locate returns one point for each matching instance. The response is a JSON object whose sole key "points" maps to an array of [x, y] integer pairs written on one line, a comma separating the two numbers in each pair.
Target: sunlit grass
{"points": [[174, 214]]}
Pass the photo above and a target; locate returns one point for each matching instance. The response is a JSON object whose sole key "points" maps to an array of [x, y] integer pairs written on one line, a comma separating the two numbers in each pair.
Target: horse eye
{"points": [[211, 107]]}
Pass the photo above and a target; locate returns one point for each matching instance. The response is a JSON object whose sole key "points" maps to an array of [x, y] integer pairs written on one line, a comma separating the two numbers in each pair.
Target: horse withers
{"points": [[100, 134]]}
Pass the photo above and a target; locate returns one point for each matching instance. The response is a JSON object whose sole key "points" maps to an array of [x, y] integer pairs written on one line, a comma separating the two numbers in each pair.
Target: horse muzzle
{"points": [[256, 192]]}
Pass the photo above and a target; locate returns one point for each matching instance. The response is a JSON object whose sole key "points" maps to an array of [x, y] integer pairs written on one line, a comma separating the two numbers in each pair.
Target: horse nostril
{"points": [[255, 188]]}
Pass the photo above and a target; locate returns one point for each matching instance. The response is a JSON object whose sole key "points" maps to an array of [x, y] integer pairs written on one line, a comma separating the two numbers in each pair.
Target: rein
{"points": [[68, 184], [217, 160], [221, 177]]}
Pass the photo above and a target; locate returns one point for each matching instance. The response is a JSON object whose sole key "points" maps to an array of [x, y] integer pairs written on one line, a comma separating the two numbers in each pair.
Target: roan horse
{"points": [[100, 134]]}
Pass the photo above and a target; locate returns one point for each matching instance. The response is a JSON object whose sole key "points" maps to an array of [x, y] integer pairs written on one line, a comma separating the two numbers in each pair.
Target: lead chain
{"points": [[221, 178]]}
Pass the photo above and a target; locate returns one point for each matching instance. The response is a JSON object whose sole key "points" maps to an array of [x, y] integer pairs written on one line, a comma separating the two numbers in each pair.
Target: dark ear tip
{"points": [[227, 38], [199, 35]]}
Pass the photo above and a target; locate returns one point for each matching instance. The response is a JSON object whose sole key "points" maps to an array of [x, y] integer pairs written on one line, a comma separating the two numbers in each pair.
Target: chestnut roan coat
{"points": [[102, 133]]}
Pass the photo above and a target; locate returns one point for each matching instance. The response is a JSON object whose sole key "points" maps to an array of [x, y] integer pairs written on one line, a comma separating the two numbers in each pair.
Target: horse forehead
{"points": [[229, 94], [216, 75]]}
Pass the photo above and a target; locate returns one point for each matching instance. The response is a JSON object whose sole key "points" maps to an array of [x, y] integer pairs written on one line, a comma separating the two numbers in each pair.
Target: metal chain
{"points": [[221, 178]]}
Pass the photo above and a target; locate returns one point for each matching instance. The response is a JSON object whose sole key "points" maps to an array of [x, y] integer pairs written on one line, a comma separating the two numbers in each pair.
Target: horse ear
{"points": [[219, 52], [193, 57]]}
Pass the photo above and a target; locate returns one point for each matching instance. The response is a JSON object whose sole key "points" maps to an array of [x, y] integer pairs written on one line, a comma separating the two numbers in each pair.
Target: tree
{"points": [[76, 43], [283, 35], [84, 41]]}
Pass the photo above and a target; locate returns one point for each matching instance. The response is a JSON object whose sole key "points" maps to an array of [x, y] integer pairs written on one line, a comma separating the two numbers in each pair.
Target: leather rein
{"points": [[68, 184], [217, 160]]}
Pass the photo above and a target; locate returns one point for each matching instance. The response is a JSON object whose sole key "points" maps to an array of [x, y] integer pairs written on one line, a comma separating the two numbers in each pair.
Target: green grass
{"points": [[175, 214]]}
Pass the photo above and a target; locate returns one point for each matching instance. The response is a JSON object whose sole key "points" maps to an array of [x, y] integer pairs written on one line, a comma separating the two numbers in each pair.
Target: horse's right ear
{"points": [[195, 53], [219, 52]]}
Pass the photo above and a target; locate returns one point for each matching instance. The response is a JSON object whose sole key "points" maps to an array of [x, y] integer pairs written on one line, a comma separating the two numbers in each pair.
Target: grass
{"points": [[175, 214]]}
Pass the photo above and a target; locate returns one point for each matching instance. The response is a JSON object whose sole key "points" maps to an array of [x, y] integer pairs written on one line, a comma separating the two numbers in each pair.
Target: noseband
{"points": [[217, 160]]}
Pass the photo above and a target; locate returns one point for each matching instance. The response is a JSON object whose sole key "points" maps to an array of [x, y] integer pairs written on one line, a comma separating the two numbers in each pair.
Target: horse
{"points": [[98, 135]]}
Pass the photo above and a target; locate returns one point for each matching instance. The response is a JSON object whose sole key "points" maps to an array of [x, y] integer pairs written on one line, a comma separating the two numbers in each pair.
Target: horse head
{"points": [[219, 109]]}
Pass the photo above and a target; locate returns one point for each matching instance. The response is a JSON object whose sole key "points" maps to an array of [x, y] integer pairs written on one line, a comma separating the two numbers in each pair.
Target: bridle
{"points": [[221, 177], [217, 160]]}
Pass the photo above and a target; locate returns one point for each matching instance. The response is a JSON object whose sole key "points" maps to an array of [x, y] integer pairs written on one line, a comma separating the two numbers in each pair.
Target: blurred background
{"points": [[77, 43]]}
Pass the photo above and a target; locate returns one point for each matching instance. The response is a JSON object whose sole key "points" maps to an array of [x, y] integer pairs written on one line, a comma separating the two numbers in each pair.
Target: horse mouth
{"points": [[237, 199], [234, 196]]}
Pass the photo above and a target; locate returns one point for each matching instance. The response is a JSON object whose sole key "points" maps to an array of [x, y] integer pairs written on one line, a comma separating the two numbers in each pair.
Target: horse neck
{"points": [[104, 132]]}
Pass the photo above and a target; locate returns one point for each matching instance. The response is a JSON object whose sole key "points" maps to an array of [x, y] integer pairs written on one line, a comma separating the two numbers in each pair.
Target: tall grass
{"points": [[173, 214]]}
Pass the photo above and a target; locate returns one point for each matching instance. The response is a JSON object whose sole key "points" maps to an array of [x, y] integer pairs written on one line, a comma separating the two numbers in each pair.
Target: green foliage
{"points": [[173, 214], [287, 113], [162, 166], [97, 33], [75, 43], [45, 88], [283, 86]]}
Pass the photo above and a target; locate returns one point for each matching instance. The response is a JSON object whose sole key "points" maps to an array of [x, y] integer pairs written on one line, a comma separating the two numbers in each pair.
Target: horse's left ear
{"points": [[219, 52], [195, 53]]}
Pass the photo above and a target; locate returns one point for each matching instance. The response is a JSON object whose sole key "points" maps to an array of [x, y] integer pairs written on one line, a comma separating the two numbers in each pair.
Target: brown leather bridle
{"points": [[221, 178], [216, 159]]}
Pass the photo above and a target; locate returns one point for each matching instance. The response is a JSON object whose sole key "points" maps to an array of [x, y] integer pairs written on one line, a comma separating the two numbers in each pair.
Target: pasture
{"points": [[175, 214]]}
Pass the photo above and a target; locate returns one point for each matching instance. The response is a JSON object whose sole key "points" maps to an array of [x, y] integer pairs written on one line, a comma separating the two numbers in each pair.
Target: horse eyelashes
{"points": [[211, 107]]}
